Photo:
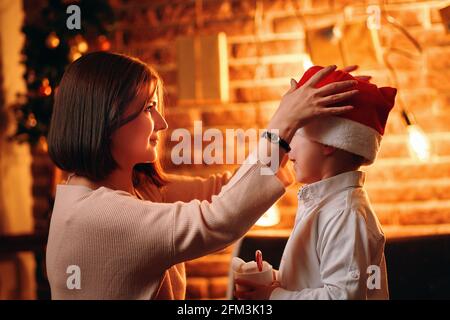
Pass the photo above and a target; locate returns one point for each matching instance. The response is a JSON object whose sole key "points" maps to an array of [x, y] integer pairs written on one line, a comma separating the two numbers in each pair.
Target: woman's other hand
{"points": [[284, 173]]}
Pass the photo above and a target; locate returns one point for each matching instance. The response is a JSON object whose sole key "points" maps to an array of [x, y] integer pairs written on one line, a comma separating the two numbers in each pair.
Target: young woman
{"points": [[118, 228]]}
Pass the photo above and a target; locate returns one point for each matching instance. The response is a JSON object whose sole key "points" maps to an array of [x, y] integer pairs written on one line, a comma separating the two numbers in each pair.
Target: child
{"points": [[336, 249]]}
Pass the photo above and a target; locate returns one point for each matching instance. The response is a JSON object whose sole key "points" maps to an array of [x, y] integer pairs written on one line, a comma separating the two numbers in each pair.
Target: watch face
{"points": [[274, 138]]}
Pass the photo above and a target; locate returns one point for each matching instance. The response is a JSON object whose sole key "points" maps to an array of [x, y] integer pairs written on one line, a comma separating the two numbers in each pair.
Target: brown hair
{"points": [[90, 104]]}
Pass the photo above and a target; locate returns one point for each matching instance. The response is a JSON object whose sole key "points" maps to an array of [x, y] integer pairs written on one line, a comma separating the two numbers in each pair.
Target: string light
{"points": [[81, 44], [43, 144], [61, 46], [82, 47], [52, 40], [104, 43], [31, 121], [45, 88], [74, 54]]}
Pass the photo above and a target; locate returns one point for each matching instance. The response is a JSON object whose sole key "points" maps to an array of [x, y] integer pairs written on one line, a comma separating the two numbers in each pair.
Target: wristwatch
{"points": [[275, 138]]}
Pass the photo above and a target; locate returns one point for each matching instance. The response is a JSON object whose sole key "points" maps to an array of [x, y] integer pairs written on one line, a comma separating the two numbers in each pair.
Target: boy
{"points": [[336, 249]]}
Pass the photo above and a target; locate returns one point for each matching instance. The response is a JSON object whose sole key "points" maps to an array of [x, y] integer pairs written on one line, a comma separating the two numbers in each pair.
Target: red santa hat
{"points": [[359, 130]]}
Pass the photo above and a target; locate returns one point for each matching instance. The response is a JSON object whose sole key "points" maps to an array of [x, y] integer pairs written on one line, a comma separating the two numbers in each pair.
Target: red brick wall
{"points": [[404, 192]]}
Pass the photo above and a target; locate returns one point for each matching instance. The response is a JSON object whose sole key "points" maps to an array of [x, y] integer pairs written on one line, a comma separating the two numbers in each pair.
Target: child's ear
{"points": [[328, 150]]}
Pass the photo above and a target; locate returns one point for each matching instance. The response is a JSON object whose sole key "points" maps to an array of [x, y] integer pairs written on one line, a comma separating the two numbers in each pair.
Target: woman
{"points": [[104, 130]]}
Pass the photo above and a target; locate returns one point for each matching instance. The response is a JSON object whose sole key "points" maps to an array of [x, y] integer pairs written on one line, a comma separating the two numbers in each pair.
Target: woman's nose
{"points": [[160, 122]]}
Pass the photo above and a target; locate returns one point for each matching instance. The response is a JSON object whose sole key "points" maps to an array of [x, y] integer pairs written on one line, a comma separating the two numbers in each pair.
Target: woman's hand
{"points": [[301, 105], [353, 68], [284, 173], [254, 291]]}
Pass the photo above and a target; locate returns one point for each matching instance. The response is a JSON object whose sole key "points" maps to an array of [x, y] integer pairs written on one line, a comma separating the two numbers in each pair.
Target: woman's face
{"points": [[137, 141]]}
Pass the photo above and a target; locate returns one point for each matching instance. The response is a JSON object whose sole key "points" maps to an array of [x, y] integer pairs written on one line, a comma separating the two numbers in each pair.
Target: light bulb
{"points": [[105, 45], [82, 46], [52, 40], [74, 54], [45, 88], [419, 146], [270, 218]]}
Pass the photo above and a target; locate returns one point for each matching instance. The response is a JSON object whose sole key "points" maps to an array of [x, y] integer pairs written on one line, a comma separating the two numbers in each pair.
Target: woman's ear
{"points": [[328, 150]]}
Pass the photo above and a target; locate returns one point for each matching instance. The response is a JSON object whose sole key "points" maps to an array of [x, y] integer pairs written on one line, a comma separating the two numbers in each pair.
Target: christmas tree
{"points": [[49, 47]]}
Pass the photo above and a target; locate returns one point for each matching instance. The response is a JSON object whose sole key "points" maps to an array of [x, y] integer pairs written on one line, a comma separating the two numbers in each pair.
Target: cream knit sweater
{"points": [[180, 188], [124, 247]]}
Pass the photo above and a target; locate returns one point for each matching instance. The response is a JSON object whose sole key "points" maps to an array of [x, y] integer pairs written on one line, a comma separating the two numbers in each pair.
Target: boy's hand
{"points": [[254, 291]]}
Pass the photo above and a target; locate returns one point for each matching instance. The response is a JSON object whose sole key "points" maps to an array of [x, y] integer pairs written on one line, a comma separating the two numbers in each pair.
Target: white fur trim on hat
{"points": [[344, 134]]}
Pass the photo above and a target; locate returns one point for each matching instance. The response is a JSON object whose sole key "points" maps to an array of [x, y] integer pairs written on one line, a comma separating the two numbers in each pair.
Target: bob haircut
{"points": [[90, 104]]}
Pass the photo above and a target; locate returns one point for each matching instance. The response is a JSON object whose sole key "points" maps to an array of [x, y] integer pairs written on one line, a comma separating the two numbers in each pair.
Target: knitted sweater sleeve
{"points": [[186, 188], [181, 231]]}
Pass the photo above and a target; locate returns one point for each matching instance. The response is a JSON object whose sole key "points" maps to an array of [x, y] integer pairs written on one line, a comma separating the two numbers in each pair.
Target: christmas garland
{"points": [[49, 47]]}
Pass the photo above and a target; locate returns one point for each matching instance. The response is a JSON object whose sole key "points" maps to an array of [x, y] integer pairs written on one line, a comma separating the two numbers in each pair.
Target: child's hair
{"points": [[89, 106]]}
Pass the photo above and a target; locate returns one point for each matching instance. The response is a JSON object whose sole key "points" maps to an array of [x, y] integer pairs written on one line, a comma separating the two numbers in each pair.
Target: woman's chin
{"points": [[151, 152]]}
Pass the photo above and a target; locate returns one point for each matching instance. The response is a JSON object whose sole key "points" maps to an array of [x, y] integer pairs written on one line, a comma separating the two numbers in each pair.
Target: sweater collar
{"points": [[313, 192]]}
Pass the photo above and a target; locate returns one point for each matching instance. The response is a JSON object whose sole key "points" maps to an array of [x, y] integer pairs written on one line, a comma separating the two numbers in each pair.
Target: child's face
{"points": [[307, 157]]}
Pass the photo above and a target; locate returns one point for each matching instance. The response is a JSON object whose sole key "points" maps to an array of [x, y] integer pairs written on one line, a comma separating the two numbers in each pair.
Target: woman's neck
{"points": [[120, 180], [117, 180]]}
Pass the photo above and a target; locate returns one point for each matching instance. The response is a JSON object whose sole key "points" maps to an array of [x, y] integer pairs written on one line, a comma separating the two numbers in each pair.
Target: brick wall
{"points": [[404, 192]]}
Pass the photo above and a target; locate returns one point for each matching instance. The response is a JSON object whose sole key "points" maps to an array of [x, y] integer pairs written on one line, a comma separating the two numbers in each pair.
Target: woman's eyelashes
{"points": [[150, 106]]}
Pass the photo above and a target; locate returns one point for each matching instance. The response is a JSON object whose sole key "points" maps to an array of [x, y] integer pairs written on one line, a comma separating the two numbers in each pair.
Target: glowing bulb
{"points": [[105, 45], [74, 54], [270, 218], [419, 146], [43, 144], [45, 88], [82, 46], [31, 121], [47, 91], [52, 40]]}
